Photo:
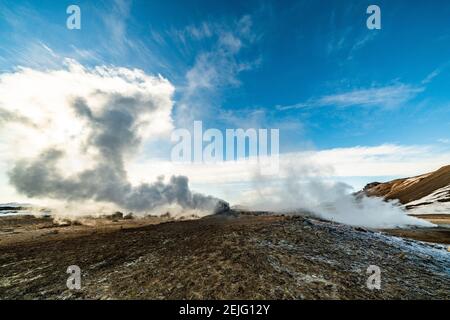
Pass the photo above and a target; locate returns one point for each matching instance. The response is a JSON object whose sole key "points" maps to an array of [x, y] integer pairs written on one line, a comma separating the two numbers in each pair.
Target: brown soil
{"points": [[218, 257], [440, 234], [29, 229], [439, 219], [437, 235]]}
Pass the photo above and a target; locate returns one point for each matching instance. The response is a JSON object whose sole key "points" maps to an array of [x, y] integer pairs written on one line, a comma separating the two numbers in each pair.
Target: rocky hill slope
{"points": [[425, 194]]}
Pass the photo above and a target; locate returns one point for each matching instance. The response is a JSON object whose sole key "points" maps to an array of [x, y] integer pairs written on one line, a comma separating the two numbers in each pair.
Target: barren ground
{"points": [[217, 257], [440, 234]]}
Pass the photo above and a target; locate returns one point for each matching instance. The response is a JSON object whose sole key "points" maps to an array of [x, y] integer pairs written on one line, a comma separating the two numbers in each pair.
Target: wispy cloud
{"points": [[444, 141], [436, 72], [361, 43], [217, 63], [386, 97], [258, 118], [344, 40], [115, 21], [217, 67]]}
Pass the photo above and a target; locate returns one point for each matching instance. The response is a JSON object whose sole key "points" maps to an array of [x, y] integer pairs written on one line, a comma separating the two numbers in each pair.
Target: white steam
{"points": [[70, 135], [304, 188]]}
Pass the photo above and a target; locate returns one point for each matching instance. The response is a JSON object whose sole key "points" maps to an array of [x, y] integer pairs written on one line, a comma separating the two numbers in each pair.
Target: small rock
{"points": [[51, 232], [117, 215], [402, 255], [307, 223], [360, 229], [129, 216]]}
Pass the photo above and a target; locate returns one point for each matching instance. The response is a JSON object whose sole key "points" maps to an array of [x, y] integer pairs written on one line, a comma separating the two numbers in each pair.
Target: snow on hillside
{"points": [[437, 202]]}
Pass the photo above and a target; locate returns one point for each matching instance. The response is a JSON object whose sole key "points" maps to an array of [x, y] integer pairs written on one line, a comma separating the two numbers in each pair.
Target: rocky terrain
{"points": [[425, 194], [232, 256]]}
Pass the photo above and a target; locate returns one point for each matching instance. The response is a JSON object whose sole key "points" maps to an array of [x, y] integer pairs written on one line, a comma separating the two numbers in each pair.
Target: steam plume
{"points": [[81, 134], [305, 188]]}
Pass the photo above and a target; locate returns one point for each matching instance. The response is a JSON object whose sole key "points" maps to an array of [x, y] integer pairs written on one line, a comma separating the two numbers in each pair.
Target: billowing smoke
{"points": [[105, 183], [304, 188], [74, 130]]}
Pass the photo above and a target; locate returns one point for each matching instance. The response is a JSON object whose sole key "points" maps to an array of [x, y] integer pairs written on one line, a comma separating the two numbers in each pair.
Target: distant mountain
{"points": [[13, 208], [425, 194], [15, 204]]}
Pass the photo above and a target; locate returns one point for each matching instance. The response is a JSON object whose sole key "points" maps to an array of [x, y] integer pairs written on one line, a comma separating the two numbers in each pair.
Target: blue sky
{"points": [[296, 52], [310, 68]]}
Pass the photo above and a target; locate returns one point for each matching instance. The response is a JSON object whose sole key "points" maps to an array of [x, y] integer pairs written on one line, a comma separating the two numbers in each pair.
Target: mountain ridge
{"points": [[428, 193]]}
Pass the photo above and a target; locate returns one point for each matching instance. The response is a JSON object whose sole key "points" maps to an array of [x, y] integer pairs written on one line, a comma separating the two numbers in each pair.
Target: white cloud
{"points": [[386, 97], [435, 73], [115, 22], [219, 67], [37, 109], [216, 68], [204, 30], [431, 76], [69, 134], [230, 179]]}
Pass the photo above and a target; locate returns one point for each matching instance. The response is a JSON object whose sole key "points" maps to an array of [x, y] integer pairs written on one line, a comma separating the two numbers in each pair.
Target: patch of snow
{"points": [[411, 181], [437, 202]]}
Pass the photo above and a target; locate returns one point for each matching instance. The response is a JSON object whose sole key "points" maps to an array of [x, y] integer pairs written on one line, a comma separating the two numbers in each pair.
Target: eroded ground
{"points": [[217, 257]]}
